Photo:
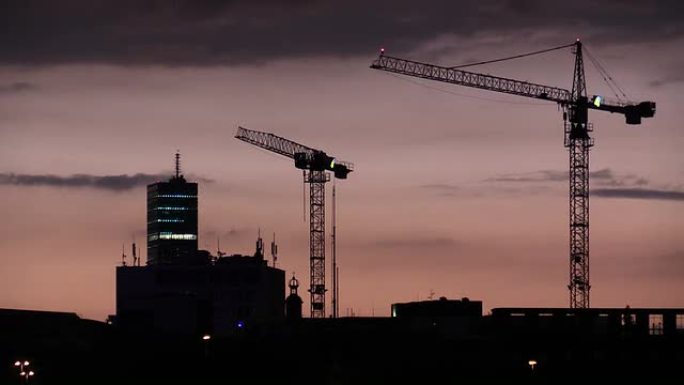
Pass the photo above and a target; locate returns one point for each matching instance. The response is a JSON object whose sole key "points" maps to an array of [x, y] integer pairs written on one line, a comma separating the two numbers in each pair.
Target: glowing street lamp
{"points": [[205, 339], [27, 375], [24, 373], [532, 363]]}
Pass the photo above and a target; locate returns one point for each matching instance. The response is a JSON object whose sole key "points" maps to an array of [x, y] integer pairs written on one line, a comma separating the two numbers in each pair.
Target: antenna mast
{"points": [[136, 260], [219, 253], [178, 165], [274, 251], [333, 245]]}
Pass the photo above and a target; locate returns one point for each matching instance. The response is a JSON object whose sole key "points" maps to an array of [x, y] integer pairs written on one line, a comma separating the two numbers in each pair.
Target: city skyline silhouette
{"points": [[459, 192]]}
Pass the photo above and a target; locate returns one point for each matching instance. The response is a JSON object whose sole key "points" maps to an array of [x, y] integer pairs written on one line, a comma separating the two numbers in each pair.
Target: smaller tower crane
{"points": [[315, 165]]}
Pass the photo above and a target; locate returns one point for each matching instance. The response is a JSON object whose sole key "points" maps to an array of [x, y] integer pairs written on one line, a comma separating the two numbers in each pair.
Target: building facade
{"points": [[223, 297]]}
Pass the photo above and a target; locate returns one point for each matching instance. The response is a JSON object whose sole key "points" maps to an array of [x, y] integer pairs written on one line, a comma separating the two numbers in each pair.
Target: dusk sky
{"points": [[456, 191]]}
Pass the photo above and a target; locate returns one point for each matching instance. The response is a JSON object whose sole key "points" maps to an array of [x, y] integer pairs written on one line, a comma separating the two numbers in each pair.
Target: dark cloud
{"points": [[211, 32], [16, 87], [611, 184], [536, 176], [675, 77], [638, 193], [602, 177], [104, 182]]}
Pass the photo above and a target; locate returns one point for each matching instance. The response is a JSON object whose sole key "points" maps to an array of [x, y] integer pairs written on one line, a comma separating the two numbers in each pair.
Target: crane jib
{"points": [[305, 158], [472, 79], [633, 112]]}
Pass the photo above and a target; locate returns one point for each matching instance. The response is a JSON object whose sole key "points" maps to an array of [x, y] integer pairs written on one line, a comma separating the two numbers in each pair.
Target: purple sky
{"points": [[457, 191]]}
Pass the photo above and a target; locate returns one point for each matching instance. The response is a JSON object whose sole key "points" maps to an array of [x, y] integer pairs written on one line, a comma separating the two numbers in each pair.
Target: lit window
{"points": [[172, 208], [655, 324], [680, 321], [176, 196], [178, 237], [628, 319], [170, 220]]}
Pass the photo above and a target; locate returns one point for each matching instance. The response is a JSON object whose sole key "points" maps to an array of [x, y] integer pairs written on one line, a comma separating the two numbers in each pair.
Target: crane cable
{"points": [[612, 84], [512, 57], [606, 76]]}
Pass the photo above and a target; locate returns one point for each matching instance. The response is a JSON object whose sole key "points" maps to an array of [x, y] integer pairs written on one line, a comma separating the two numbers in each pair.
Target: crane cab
{"points": [[634, 113]]}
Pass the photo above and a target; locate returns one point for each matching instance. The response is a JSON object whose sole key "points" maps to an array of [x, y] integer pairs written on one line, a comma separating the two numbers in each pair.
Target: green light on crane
{"points": [[597, 101]]}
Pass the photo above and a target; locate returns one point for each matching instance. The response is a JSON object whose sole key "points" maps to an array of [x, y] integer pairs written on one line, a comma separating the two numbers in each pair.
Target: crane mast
{"points": [[315, 165], [578, 143], [575, 104]]}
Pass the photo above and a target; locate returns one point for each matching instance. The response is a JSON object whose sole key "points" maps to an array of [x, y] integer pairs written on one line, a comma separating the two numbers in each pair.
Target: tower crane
{"points": [[315, 165], [575, 104]]}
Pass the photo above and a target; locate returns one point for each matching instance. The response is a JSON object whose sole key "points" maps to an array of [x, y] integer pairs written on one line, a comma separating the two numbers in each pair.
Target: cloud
{"points": [[675, 76], [444, 189], [415, 243], [478, 191], [653, 265], [611, 184], [535, 176], [639, 193], [16, 87], [602, 177], [232, 234], [220, 32], [103, 182]]}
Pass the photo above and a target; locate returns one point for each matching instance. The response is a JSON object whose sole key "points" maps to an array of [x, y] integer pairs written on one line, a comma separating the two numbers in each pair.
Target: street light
{"points": [[532, 363], [27, 375], [205, 339], [21, 364], [24, 373]]}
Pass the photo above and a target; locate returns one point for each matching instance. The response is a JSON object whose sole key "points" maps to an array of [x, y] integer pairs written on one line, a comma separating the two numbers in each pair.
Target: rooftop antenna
{"points": [[219, 253], [123, 254], [259, 246], [274, 251], [136, 260], [178, 165]]}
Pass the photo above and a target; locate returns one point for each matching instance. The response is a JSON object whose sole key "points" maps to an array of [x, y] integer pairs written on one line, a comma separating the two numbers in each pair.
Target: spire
{"points": [[178, 166], [294, 285]]}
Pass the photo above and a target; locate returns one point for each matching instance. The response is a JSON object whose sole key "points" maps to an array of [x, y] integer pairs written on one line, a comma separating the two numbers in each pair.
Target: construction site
{"points": [[187, 315]]}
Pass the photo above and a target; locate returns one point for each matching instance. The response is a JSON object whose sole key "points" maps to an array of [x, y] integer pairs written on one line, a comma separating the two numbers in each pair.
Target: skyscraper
{"points": [[172, 220]]}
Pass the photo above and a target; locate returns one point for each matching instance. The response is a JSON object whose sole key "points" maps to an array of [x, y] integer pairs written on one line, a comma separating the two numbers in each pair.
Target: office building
{"points": [[172, 221]]}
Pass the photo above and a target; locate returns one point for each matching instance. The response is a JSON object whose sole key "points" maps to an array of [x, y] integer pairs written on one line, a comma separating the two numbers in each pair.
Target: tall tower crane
{"points": [[315, 165], [575, 104]]}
